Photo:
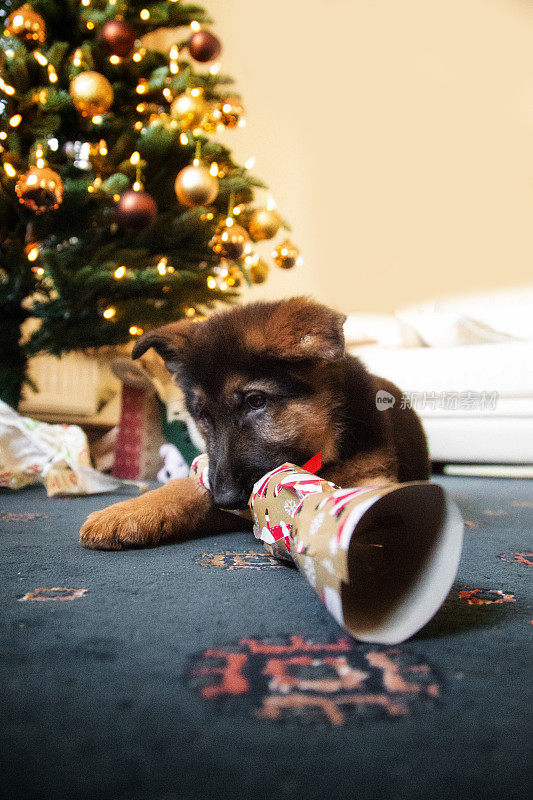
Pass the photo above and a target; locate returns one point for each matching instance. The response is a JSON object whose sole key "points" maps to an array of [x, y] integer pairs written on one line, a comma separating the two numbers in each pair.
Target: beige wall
{"points": [[396, 136]]}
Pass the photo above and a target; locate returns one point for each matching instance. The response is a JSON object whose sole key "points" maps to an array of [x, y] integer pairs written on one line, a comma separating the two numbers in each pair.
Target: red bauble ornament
{"points": [[117, 38], [136, 210], [204, 46]]}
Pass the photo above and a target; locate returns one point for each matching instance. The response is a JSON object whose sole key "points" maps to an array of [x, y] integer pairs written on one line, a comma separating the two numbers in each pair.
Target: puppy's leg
{"points": [[181, 509], [377, 468]]}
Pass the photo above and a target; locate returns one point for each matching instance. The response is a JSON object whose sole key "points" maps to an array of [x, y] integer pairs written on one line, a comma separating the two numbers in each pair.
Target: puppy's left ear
{"points": [[170, 342], [301, 328]]}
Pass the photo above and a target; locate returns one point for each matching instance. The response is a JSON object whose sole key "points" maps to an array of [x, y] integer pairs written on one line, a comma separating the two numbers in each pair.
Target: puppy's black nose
{"points": [[229, 498]]}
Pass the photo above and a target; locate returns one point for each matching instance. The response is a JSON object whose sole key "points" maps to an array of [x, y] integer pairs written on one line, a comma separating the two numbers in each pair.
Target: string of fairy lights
{"points": [[40, 188]]}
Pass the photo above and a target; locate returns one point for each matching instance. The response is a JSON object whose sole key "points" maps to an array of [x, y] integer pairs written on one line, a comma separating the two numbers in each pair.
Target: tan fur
{"points": [[310, 426], [179, 510]]}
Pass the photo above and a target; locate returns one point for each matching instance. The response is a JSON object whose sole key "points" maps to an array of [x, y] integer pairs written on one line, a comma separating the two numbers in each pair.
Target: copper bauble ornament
{"points": [[40, 189], [136, 210], [27, 25], [195, 186], [91, 93], [189, 109], [286, 255], [258, 270], [117, 38], [229, 112], [204, 46], [264, 224], [229, 241]]}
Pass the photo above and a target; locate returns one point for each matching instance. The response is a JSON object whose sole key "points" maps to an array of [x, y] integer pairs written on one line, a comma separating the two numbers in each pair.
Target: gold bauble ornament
{"points": [[189, 109], [228, 112], [258, 270], [91, 93], [286, 255], [229, 242], [27, 25], [195, 186], [264, 224], [40, 189]]}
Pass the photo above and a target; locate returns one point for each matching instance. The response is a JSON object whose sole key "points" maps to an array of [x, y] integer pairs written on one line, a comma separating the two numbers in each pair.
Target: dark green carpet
{"points": [[174, 676]]}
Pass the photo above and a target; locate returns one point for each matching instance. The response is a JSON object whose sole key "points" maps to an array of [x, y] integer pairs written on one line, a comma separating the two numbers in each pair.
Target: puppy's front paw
{"points": [[132, 523]]}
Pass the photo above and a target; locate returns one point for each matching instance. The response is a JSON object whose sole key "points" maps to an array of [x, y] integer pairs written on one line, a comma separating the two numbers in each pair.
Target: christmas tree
{"points": [[118, 207]]}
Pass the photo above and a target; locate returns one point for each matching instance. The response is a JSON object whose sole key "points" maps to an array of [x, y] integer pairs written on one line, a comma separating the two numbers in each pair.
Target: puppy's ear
{"points": [[169, 341], [301, 328]]}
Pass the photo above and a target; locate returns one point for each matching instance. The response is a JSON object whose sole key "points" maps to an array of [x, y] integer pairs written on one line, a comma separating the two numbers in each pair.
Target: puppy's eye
{"points": [[256, 400]]}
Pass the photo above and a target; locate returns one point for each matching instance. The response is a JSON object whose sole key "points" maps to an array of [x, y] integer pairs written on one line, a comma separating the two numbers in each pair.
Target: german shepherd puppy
{"points": [[265, 383]]}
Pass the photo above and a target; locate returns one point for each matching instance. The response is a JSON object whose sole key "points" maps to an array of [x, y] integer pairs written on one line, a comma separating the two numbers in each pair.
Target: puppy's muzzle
{"points": [[227, 493]]}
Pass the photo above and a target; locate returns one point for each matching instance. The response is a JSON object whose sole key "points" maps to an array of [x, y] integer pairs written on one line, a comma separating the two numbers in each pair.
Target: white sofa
{"points": [[465, 364]]}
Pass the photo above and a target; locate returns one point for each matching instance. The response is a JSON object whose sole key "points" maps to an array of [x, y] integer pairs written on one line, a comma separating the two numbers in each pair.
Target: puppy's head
{"points": [[257, 383]]}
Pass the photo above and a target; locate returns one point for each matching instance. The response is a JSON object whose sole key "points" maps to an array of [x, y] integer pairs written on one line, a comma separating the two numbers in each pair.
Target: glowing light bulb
{"points": [[135, 157], [214, 169], [109, 313], [119, 272], [211, 282], [162, 266], [145, 14], [15, 120], [195, 25], [9, 170], [33, 254]]}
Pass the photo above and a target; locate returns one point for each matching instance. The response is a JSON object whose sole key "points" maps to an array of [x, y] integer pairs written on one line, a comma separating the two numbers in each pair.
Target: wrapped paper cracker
{"points": [[381, 559]]}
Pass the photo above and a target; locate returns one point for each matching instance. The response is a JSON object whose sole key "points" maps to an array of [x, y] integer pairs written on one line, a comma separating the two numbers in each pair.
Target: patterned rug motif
{"points": [[189, 675]]}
